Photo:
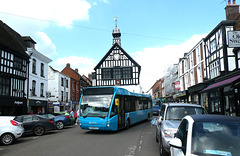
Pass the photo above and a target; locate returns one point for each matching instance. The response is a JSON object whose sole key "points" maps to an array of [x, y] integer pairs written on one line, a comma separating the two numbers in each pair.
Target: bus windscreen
{"points": [[95, 105]]}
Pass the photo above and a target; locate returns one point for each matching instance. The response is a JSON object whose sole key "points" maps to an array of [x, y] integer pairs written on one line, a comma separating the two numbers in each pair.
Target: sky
{"points": [[155, 33]]}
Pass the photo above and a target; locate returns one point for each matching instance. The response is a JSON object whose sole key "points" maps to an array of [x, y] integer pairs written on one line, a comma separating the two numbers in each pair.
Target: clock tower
{"points": [[117, 67], [116, 34]]}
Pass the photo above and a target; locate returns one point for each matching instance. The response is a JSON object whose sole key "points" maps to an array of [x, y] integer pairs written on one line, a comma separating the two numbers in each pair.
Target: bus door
{"points": [[119, 101]]}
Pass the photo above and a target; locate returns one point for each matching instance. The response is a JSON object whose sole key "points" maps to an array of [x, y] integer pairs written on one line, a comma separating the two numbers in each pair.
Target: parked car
{"points": [[156, 105], [61, 119], [207, 135], [170, 117], [10, 130], [36, 124]]}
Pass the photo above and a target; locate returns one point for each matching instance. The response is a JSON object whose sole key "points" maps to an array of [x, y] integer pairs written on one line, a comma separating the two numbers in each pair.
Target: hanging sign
{"points": [[233, 39]]}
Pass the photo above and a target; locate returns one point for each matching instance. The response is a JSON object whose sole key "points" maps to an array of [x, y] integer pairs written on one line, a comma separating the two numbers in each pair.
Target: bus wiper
{"points": [[84, 116], [102, 116]]}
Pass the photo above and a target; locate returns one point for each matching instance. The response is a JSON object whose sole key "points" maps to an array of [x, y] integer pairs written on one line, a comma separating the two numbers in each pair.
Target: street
{"points": [[138, 140]]}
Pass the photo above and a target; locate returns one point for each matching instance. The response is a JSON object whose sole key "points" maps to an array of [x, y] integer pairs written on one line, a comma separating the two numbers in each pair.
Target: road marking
{"points": [[1, 149], [131, 151], [139, 148], [35, 138]]}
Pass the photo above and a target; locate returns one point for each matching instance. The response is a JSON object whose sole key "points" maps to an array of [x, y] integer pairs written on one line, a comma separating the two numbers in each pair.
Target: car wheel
{"points": [[163, 152], [39, 130], [60, 125], [7, 139]]}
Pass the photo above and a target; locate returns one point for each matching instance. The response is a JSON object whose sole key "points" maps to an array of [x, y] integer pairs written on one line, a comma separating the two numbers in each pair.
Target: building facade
{"points": [[77, 82], [38, 78], [222, 72], [13, 72], [191, 73], [116, 67], [58, 91], [170, 79]]}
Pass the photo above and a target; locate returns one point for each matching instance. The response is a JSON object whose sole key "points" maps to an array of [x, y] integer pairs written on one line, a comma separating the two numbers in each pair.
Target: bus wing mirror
{"points": [[116, 101]]}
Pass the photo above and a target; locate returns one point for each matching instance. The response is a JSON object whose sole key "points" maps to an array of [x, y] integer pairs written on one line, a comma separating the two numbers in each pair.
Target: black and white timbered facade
{"points": [[117, 67], [220, 60], [13, 72], [222, 72]]}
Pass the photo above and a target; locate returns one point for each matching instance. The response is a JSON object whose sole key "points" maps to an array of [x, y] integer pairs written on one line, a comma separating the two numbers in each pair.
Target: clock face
{"points": [[116, 56]]}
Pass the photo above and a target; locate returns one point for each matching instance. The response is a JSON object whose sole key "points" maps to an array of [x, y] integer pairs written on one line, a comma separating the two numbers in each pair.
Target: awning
{"points": [[222, 83]]}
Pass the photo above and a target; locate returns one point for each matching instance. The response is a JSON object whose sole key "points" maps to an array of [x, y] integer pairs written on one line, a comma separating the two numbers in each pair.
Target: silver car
{"points": [[10, 130], [169, 119]]}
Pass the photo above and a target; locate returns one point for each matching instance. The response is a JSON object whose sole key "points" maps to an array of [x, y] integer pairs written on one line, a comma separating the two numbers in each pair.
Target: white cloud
{"points": [[154, 61], [61, 11], [84, 65], [44, 44]]}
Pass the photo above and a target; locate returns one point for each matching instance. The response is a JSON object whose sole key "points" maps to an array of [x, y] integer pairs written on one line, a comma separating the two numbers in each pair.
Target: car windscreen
{"points": [[216, 138], [155, 102], [178, 112]]}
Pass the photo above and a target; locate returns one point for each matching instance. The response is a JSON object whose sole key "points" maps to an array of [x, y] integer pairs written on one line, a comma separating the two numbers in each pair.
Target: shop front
{"points": [[194, 95], [38, 106], [182, 96], [223, 97], [13, 106], [59, 106]]}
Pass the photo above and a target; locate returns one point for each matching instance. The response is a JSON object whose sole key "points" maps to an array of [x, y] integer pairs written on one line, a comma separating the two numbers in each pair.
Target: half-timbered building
{"points": [[117, 67], [13, 72], [222, 69]]}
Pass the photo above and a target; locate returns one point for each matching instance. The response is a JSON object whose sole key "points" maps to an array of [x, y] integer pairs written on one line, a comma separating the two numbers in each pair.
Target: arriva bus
{"points": [[112, 108]]}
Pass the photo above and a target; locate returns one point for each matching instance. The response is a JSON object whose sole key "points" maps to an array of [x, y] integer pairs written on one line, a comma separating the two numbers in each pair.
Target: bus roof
{"points": [[118, 90]]}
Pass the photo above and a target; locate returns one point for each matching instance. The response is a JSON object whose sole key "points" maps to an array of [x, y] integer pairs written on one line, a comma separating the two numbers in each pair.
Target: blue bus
{"points": [[112, 108]]}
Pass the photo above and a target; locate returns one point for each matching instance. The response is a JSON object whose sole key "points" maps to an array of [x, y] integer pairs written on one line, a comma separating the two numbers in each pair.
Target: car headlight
{"points": [[169, 132]]}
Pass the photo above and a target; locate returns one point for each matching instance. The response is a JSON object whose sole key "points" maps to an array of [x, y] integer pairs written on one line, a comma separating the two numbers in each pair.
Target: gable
{"points": [[10, 39], [123, 59]]}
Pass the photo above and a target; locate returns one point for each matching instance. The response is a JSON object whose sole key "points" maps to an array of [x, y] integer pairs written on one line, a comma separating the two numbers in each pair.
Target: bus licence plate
{"points": [[93, 127]]}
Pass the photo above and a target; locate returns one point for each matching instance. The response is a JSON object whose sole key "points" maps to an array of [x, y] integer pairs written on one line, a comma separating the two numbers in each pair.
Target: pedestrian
{"points": [[40, 113], [77, 117], [31, 112], [72, 114]]}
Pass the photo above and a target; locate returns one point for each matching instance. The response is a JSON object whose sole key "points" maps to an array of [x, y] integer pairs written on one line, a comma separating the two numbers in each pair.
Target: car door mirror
{"points": [[176, 143]]}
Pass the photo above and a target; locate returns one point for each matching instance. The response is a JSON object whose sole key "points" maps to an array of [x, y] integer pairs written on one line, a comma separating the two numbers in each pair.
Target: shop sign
{"points": [[177, 85], [233, 39], [18, 102], [38, 102]]}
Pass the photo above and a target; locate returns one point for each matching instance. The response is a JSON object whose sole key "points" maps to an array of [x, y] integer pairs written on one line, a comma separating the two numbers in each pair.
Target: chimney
{"points": [[68, 65], [232, 10], [76, 70]]}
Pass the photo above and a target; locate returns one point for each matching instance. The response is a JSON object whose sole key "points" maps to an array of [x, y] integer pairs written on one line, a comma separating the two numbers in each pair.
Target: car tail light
{"points": [[14, 123], [51, 121], [66, 116]]}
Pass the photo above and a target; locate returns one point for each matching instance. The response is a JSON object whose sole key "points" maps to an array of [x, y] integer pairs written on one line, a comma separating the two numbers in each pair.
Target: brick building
{"points": [[77, 82]]}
